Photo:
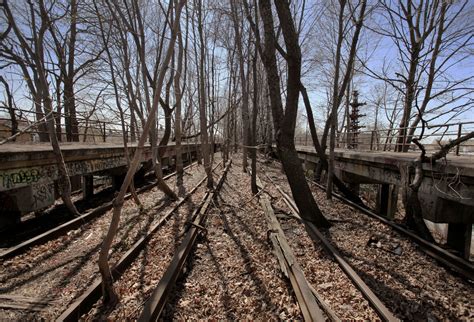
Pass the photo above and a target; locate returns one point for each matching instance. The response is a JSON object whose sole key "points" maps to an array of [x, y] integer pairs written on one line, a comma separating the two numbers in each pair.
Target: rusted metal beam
{"points": [[309, 300], [306, 300]]}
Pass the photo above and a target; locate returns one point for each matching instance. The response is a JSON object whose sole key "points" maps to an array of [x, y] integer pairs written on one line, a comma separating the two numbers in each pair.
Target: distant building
{"points": [[6, 131]]}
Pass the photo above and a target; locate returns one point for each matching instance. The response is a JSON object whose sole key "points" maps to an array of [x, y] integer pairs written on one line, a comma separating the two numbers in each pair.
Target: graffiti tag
{"points": [[27, 176], [43, 195]]}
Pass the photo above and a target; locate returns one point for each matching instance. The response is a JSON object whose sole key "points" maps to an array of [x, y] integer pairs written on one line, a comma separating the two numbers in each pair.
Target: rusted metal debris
{"points": [[309, 300]]}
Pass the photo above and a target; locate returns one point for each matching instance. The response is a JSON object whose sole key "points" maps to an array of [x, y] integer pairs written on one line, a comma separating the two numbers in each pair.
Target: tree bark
{"points": [[10, 107], [203, 101], [243, 83], [254, 124], [107, 282], [121, 113], [63, 181], [178, 97], [349, 194], [284, 122]]}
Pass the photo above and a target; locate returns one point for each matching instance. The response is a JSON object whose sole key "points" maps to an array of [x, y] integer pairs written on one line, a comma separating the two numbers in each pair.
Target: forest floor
{"points": [[410, 283], [233, 272], [60, 270]]}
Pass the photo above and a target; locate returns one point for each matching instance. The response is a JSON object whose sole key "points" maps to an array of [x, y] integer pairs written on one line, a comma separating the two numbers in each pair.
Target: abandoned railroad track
{"points": [[405, 279], [229, 254], [149, 262], [232, 273], [154, 306], [74, 223], [66, 266], [345, 283], [447, 259]]}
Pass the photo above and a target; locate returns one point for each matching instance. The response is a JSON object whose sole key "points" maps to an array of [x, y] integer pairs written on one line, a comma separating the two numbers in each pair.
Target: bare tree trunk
{"points": [[64, 183], [133, 126], [413, 209], [178, 97], [269, 132], [167, 132], [243, 82], [127, 158], [254, 124], [10, 107], [338, 92], [42, 93], [156, 159], [322, 156], [202, 101], [347, 113], [234, 127], [42, 126], [335, 103], [213, 98], [284, 121], [72, 128], [119, 106], [107, 282], [228, 118]]}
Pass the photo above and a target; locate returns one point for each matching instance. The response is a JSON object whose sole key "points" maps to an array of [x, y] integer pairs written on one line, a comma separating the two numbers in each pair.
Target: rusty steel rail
{"points": [[444, 257], [155, 304], [72, 224], [305, 294], [85, 302], [317, 236]]}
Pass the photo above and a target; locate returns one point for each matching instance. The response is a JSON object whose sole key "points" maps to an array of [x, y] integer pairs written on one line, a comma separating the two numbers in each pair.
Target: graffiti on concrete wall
{"points": [[90, 166], [19, 177], [22, 177], [42, 195]]}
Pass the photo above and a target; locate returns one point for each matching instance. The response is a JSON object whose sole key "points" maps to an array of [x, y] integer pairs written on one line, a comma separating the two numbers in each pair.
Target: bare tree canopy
{"points": [[250, 76]]}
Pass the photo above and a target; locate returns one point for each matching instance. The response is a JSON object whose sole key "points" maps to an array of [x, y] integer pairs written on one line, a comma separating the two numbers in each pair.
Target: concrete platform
{"points": [[446, 192], [28, 171], [390, 159]]}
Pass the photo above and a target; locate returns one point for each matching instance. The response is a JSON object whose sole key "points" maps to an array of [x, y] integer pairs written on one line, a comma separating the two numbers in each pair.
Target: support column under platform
{"points": [[459, 238], [117, 181], [87, 186], [387, 197]]}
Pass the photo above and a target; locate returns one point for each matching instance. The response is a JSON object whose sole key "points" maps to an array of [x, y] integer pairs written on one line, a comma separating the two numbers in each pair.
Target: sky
{"points": [[383, 51]]}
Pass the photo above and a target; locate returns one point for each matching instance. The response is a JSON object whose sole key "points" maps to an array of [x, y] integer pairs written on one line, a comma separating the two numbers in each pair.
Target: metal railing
{"points": [[386, 139], [82, 129]]}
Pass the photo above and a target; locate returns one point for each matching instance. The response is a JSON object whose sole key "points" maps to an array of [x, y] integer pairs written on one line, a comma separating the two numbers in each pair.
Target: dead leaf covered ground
{"points": [[411, 284], [234, 274], [64, 267]]}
